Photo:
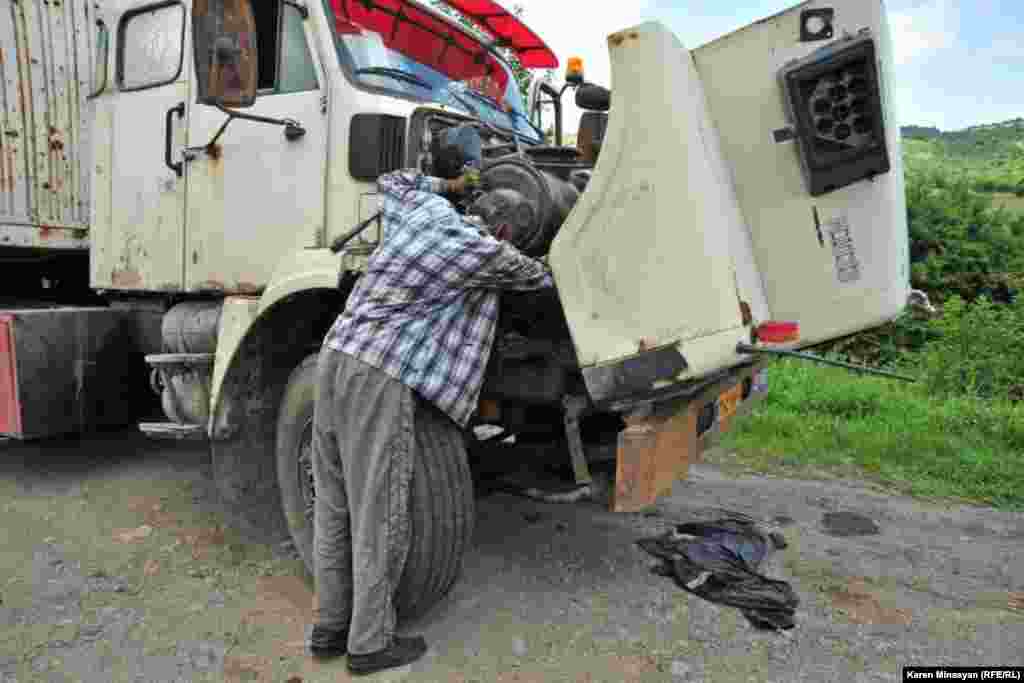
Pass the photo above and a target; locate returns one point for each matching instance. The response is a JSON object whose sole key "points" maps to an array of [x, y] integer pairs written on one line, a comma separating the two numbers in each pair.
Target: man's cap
{"points": [[455, 148]]}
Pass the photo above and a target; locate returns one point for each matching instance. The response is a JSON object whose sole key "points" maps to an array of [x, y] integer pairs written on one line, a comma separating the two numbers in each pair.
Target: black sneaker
{"points": [[402, 651], [326, 643]]}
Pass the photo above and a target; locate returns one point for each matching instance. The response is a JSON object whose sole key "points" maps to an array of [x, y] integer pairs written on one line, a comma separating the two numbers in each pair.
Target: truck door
{"points": [[139, 233], [259, 194]]}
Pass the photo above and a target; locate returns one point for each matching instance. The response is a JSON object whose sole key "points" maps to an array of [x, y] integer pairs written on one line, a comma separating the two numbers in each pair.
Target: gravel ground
{"points": [[115, 566]]}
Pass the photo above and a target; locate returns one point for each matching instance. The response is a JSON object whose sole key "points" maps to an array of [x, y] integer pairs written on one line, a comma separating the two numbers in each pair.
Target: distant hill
{"points": [[920, 132], [1004, 139], [990, 155]]}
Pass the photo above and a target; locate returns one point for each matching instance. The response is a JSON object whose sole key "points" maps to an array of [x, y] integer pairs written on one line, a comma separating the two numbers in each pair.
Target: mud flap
{"points": [[71, 370], [661, 440], [653, 453]]}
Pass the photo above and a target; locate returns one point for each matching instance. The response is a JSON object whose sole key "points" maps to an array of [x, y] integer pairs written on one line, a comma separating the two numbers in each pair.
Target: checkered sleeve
{"points": [[509, 269], [397, 183]]}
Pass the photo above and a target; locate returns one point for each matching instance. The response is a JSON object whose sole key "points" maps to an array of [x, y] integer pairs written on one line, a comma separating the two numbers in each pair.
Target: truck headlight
{"points": [[834, 100]]}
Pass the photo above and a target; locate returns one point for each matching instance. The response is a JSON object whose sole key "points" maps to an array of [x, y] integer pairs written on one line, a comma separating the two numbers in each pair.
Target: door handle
{"points": [[168, 123]]}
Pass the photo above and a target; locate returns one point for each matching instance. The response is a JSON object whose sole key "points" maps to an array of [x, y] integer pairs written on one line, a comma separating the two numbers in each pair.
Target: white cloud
{"points": [[925, 29], [573, 28]]}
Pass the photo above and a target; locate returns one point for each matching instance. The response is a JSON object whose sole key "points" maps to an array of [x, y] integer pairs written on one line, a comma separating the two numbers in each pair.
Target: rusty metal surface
{"points": [[46, 60], [653, 453], [658, 446]]}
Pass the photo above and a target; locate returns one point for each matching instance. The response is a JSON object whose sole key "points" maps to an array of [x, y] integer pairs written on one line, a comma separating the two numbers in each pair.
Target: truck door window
{"points": [[150, 46], [286, 64], [267, 15], [297, 73]]}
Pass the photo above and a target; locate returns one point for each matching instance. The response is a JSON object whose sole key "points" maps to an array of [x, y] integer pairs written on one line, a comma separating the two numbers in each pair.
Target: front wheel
{"points": [[441, 506]]}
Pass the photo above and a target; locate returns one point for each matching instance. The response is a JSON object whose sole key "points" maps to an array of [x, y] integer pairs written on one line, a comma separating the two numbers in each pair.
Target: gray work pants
{"points": [[363, 441]]}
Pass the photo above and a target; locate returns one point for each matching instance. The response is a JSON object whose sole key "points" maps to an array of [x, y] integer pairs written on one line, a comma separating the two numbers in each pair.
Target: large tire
{"points": [[441, 502]]}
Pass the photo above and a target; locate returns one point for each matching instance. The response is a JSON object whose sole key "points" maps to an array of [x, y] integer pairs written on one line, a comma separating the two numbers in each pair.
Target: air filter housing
{"points": [[834, 100]]}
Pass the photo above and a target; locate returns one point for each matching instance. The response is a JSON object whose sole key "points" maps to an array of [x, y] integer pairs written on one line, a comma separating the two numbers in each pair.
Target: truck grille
{"points": [[376, 145]]}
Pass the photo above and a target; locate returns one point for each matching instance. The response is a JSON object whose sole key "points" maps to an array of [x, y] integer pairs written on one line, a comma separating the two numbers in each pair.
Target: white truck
{"points": [[747, 193]]}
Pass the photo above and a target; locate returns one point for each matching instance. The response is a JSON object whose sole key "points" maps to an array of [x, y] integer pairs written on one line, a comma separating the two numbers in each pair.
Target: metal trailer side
{"points": [[47, 58], [64, 367]]}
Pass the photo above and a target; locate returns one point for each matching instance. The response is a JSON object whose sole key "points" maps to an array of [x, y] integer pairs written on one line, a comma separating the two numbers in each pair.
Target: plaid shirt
{"points": [[426, 309]]}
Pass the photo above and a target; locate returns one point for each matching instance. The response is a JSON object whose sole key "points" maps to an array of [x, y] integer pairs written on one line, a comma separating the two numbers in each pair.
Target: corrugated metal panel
{"points": [[14, 200], [46, 57]]}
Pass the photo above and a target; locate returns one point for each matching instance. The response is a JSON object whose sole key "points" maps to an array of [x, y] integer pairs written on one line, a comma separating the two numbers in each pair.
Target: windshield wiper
{"points": [[490, 101], [518, 114], [493, 128], [458, 98], [396, 74]]}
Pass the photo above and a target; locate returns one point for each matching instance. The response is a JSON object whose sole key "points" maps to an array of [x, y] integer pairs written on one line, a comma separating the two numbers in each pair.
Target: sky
{"points": [[958, 62]]}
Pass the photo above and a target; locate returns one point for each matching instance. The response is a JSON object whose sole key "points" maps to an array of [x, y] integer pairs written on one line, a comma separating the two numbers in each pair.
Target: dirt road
{"points": [[114, 567]]}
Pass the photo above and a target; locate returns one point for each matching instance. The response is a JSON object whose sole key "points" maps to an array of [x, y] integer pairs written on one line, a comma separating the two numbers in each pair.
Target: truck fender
{"points": [[306, 279], [260, 342]]}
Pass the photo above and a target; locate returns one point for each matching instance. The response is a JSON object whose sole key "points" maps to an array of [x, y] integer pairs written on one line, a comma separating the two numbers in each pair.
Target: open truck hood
{"points": [[698, 211]]}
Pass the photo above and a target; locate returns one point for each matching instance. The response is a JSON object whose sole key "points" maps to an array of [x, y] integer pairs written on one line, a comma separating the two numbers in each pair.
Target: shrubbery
{"points": [[959, 430], [969, 258], [961, 245], [977, 350]]}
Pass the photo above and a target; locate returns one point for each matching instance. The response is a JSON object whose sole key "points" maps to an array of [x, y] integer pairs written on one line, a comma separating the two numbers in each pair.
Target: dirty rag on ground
{"points": [[719, 561]]}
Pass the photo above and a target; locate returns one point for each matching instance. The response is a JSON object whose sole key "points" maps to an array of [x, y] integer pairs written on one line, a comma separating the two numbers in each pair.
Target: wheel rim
{"points": [[307, 484]]}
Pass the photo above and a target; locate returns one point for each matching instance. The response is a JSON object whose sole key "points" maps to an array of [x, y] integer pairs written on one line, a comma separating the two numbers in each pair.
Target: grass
{"points": [[827, 419]]}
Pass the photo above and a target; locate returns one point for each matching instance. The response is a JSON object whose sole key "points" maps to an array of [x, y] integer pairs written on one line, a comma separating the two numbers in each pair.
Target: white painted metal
{"points": [[691, 188], [799, 273], [138, 232], [46, 65], [645, 258], [262, 199]]}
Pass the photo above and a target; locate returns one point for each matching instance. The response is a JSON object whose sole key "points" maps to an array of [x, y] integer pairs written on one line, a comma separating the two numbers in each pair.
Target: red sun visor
{"points": [[532, 52], [408, 29]]}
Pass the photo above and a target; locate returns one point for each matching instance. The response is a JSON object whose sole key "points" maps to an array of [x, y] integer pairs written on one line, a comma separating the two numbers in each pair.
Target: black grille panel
{"points": [[835, 99], [376, 145]]}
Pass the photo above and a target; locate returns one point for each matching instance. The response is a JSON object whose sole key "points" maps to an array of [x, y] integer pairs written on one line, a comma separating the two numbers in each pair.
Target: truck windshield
{"points": [[398, 45]]}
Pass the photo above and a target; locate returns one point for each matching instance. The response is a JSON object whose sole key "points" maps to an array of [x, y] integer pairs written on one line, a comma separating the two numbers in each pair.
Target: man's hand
{"points": [[464, 182]]}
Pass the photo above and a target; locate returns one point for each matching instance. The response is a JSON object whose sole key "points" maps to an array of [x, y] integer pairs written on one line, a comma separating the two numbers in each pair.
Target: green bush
{"points": [[977, 350], [959, 431], [959, 244]]}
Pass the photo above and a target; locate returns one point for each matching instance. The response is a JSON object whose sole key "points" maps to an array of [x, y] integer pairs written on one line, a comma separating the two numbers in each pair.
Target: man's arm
{"points": [[397, 183], [510, 269]]}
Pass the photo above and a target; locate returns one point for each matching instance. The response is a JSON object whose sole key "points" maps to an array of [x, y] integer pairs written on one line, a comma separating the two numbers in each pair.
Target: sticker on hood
{"points": [[847, 266]]}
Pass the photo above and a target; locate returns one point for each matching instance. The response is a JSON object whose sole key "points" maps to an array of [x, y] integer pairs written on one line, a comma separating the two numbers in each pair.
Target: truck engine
{"points": [[533, 364]]}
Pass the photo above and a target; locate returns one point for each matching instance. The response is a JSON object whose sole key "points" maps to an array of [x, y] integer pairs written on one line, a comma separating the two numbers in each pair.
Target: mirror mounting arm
{"points": [[556, 100], [300, 6], [293, 130]]}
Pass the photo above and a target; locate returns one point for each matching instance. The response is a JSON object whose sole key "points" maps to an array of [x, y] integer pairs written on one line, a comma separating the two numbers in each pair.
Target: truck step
{"points": [[173, 430]]}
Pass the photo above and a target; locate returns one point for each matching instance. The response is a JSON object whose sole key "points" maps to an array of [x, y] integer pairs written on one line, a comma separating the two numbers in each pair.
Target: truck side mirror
{"points": [[592, 97], [225, 52]]}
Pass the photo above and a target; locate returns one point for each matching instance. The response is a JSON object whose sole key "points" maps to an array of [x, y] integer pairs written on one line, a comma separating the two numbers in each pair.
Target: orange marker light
{"points": [[574, 70]]}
